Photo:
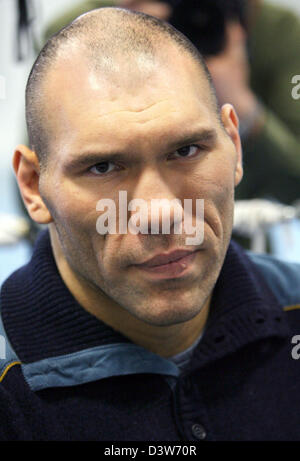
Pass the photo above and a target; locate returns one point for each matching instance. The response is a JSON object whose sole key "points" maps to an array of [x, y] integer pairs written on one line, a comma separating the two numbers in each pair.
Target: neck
{"points": [[165, 341]]}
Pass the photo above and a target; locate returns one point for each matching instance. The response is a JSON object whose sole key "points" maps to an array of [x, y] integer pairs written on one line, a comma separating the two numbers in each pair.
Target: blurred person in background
{"points": [[252, 51]]}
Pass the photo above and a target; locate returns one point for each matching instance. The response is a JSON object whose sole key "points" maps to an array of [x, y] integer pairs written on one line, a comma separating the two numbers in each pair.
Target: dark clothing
{"points": [[68, 376]]}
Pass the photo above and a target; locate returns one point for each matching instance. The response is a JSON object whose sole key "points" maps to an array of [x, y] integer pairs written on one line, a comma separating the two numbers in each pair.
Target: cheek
{"points": [[214, 184], [72, 204], [75, 218]]}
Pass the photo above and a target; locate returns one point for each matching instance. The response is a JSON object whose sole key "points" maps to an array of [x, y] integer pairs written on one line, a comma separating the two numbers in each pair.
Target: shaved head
{"points": [[120, 102], [113, 42]]}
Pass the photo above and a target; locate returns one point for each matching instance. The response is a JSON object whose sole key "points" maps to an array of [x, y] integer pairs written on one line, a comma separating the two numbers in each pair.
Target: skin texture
{"points": [[144, 113]]}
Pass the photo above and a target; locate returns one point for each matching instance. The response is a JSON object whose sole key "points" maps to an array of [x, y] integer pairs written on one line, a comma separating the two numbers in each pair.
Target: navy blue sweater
{"points": [[68, 376]]}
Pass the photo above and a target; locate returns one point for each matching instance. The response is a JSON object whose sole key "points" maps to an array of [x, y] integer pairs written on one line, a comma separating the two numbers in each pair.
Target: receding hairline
{"points": [[82, 31], [137, 34]]}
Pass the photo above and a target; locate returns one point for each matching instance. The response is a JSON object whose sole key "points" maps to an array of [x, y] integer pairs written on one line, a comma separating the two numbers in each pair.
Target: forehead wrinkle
{"points": [[77, 69], [133, 111], [74, 80]]}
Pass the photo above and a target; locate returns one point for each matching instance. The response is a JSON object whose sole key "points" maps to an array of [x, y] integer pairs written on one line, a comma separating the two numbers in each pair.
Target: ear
{"points": [[27, 170], [231, 123]]}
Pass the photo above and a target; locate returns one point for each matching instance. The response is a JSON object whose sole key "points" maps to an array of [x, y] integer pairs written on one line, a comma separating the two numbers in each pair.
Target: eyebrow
{"points": [[203, 135], [84, 159]]}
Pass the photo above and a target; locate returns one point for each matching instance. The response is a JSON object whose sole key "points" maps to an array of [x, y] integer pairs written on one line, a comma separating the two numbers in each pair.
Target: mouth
{"points": [[162, 259], [171, 265]]}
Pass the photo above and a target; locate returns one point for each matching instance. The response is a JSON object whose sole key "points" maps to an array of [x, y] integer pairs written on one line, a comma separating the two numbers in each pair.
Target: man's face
{"points": [[131, 131]]}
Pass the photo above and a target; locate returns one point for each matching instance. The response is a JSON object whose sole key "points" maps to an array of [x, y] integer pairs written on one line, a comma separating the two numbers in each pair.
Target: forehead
{"points": [[134, 99]]}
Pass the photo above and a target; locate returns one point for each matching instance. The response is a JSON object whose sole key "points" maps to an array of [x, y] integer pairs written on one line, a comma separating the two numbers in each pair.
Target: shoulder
{"points": [[9, 406], [283, 278], [8, 357]]}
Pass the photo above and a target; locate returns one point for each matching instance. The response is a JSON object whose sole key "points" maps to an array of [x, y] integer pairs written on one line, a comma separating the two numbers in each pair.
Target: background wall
{"points": [[293, 4], [13, 75]]}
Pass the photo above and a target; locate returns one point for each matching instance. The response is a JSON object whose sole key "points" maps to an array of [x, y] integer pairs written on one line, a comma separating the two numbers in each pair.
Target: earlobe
{"points": [[27, 170], [231, 124]]}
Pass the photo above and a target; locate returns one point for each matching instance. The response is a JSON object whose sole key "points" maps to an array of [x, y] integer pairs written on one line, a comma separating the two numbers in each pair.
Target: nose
{"points": [[157, 207]]}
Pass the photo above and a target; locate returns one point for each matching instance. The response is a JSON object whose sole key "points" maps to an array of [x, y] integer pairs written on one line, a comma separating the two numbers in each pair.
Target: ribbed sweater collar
{"points": [[42, 319]]}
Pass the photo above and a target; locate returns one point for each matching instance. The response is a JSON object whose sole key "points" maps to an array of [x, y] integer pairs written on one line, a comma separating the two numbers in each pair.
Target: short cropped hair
{"points": [[103, 32]]}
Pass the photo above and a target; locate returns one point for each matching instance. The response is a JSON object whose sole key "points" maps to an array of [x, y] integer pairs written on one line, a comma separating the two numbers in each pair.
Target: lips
{"points": [[162, 259]]}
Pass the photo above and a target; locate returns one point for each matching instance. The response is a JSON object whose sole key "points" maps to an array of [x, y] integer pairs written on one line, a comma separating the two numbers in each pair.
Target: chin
{"points": [[168, 317]]}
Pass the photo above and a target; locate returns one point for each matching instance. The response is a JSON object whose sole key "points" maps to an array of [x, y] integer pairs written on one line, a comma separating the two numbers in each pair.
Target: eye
{"points": [[102, 168], [187, 151]]}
